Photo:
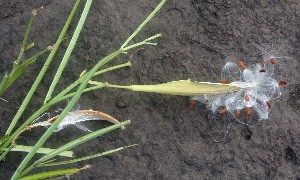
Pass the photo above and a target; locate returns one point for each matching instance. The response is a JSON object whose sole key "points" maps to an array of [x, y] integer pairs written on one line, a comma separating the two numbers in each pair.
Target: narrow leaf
{"points": [[86, 157], [50, 174], [3, 139], [82, 140], [21, 148], [3, 83], [29, 46], [18, 72]]}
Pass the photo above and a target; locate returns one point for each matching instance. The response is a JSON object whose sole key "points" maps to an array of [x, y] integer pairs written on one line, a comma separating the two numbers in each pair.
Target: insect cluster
{"points": [[258, 90]]}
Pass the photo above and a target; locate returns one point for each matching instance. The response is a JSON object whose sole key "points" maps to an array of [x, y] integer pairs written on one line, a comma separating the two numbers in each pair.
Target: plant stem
{"points": [[63, 95], [84, 158], [80, 90], [67, 109], [42, 72], [127, 64], [37, 114], [6, 151], [69, 50], [21, 148], [78, 81], [60, 97], [25, 39], [51, 174], [158, 7], [3, 83], [146, 41], [38, 54], [14, 75], [75, 143]]}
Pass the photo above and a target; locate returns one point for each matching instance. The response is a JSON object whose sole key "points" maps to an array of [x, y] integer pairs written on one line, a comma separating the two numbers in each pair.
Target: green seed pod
{"points": [[182, 88]]}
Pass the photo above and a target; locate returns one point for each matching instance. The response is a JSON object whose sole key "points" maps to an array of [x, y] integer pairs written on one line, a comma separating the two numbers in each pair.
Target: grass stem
{"points": [[42, 72]]}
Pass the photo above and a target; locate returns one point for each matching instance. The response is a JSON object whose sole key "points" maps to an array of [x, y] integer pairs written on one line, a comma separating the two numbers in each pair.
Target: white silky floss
{"points": [[258, 89]]}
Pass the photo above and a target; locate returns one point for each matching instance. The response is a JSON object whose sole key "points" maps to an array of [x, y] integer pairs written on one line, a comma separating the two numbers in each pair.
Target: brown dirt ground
{"points": [[175, 142]]}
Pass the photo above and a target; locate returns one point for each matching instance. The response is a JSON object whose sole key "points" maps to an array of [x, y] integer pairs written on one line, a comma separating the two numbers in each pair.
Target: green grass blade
{"points": [[69, 50], [43, 70], [29, 46], [21, 148], [78, 81], [50, 174], [3, 83], [18, 71], [71, 104], [145, 42], [3, 139], [40, 111], [82, 140], [27, 61], [19, 172], [63, 96], [151, 15], [75, 143], [25, 39], [86, 157]]}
